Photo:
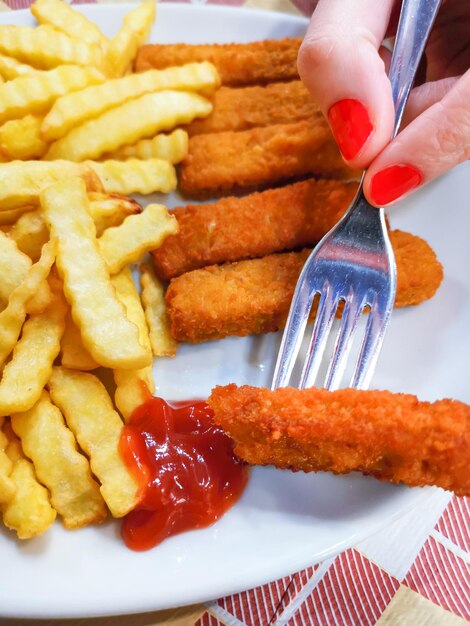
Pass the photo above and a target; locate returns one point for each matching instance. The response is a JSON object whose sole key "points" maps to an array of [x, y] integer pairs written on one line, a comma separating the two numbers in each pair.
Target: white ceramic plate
{"points": [[284, 522]]}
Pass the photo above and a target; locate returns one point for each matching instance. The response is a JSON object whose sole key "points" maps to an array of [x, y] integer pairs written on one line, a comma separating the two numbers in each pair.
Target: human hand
{"points": [[344, 67]]}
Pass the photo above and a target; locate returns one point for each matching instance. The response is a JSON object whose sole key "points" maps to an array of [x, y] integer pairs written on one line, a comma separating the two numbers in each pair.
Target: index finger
{"points": [[341, 67]]}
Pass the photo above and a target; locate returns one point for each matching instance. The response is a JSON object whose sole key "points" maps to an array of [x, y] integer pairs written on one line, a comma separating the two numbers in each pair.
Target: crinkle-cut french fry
{"points": [[128, 295], [63, 17], [71, 110], [25, 376], [34, 93], [29, 511], [111, 210], [46, 47], [14, 266], [51, 446], [106, 332], [22, 181], [20, 139], [133, 387], [81, 397], [137, 235], [11, 68], [153, 299], [7, 486], [73, 353], [30, 233], [8, 218], [172, 148], [135, 175], [133, 34], [142, 117], [12, 318]]}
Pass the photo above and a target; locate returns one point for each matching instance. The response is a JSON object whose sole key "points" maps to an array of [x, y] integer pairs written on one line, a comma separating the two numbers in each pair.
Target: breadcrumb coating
{"points": [[255, 225], [228, 162], [257, 62], [241, 108], [253, 296], [391, 436]]}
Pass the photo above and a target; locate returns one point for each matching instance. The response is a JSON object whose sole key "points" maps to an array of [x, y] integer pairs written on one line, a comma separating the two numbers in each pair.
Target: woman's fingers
{"points": [[339, 64], [424, 96], [430, 145]]}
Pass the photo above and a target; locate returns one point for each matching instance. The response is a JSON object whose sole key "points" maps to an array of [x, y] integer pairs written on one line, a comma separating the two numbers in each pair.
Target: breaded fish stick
{"points": [[391, 436], [220, 163], [253, 63], [253, 226], [253, 297], [247, 107]]}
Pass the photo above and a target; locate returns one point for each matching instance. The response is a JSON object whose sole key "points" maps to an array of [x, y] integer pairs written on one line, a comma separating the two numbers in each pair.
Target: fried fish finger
{"points": [[258, 62], [241, 108], [391, 436], [220, 163], [253, 296], [233, 229]]}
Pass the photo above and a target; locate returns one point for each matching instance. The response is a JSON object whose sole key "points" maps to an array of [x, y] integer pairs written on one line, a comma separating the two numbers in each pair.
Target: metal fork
{"points": [[354, 263]]}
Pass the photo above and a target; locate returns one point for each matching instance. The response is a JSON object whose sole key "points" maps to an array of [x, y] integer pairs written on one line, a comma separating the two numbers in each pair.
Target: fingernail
{"points": [[351, 126], [393, 182]]}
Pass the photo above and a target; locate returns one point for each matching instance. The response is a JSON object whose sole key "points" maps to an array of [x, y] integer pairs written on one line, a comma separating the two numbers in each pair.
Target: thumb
{"points": [[430, 145], [341, 67]]}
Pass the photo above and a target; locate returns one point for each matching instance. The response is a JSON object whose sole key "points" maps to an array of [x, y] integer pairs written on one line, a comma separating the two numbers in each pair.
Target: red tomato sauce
{"points": [[186, 467]]}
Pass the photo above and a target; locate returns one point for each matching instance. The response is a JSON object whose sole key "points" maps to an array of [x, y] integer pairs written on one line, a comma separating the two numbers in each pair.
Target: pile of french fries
{"points": [[78, 131], [68, 93]]}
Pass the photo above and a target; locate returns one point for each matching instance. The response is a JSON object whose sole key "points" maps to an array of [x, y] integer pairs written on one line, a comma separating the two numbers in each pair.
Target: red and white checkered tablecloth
{"points": [[414, 573]]}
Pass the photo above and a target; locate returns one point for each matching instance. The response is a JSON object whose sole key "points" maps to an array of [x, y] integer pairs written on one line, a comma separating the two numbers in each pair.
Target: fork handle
{"points": [[414, 26]]}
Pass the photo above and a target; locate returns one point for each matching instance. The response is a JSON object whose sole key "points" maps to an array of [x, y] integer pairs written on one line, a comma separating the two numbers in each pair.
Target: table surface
{"points": [[395, 578]]}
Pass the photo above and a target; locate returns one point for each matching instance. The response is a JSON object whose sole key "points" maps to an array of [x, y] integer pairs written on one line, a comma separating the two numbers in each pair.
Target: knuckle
{"points": [[450, 136], [317, 53]]}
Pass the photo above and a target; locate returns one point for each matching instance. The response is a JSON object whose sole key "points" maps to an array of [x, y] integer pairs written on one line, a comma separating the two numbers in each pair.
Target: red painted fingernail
{"points": [[351, 126], [393, 182]]}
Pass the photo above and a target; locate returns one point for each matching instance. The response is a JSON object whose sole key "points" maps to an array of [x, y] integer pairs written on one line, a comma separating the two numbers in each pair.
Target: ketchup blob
{"points": [[185, 466]]}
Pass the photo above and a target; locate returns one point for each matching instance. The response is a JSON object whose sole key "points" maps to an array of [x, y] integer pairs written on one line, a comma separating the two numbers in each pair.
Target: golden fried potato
{"points": [[12, 318], [135, 176], [8, 218], [30, 233], [81, 397], [73, 353], [106, 332], [109, 210], [71, 110], [14, 266], [46, 440], [20, 139], [133, 120], [7, 486], [34, 93], [29, 511], [133, 34], [22, 181], [153, 299], [133, 387], [25, 376], [11, 68], [137, 235], [172, 148], [63, 17], [46, 47]]}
